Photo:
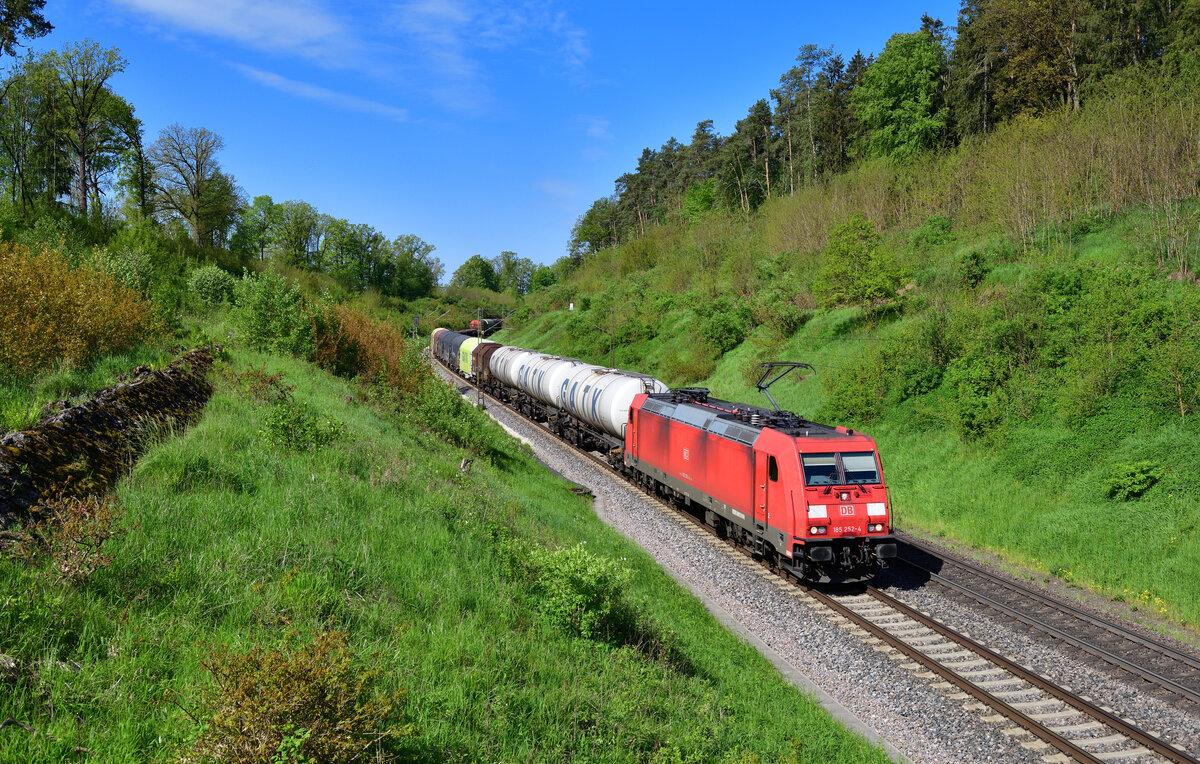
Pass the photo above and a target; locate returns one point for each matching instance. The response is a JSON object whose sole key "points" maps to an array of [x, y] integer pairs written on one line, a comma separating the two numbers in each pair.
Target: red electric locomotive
{"points": [[809, 497]]}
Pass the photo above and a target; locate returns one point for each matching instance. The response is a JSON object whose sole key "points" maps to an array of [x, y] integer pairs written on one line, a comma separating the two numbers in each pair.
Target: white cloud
{"points": [[562, 194], [453, 36], [598, 128], [316, 93], [300, 27]]}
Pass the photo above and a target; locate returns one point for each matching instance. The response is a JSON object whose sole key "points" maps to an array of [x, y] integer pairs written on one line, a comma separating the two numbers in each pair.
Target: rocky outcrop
{"points": [[84, 449]]}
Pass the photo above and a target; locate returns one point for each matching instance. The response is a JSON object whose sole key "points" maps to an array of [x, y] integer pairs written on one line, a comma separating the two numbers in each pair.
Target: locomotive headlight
{"points": [[875, 528], [816, 530]]}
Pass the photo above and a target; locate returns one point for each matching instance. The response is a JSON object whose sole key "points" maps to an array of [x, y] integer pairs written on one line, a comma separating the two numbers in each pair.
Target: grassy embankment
{"points": [[1034, 389], [446, 583]]}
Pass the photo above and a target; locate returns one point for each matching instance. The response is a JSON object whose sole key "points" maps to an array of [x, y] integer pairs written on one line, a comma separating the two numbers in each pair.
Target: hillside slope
{"points": [[1038, 400]]}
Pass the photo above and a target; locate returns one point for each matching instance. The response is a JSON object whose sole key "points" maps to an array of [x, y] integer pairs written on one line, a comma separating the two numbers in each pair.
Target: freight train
{"points": [[807, 497]]}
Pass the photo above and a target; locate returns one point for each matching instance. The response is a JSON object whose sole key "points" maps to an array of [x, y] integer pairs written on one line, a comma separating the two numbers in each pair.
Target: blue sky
{"points": [[478, 126]]}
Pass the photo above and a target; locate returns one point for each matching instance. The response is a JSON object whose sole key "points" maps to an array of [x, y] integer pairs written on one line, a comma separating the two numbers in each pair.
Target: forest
{"points": [[76, 165], [927, 91]]}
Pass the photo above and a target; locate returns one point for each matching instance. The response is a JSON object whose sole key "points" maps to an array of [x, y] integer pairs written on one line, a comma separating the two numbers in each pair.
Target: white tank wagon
{"points": [[507, 363], [548, 379], [601, 397]]}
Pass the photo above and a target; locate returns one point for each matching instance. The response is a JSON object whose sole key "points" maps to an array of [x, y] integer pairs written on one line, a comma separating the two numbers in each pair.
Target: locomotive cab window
{"points": [[860, 468], [773, 470], [819, 469]]}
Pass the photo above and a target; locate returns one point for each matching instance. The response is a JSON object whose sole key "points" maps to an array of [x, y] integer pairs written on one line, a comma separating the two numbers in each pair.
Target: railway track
{"points": [[1166, 671], [1040, 714]]}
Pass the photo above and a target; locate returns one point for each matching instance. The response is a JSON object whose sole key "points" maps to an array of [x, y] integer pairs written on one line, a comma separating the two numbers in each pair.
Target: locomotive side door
{"points": [[762, 484]]}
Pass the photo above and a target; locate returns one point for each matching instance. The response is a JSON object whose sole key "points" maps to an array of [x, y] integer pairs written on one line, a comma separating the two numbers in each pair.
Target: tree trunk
{"points": [[767, 158], [83, 184], [791, 167]]}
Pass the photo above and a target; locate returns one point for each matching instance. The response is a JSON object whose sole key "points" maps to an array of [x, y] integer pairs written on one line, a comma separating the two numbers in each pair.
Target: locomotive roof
{"points": [[737, 421]]}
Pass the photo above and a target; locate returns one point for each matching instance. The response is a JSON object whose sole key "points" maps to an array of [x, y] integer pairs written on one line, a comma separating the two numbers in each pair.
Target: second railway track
{"points": [[1170, 672], [1041, 713]]}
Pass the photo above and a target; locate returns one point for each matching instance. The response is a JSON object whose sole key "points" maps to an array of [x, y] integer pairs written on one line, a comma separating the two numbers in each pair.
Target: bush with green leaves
{"points": [[725, 323], [699, 199], [578, 592], [976, 404], [1130, 480], [295, 426], [269, 314], [211, 284], [855, 390], [855, 269], [133, 268], [934, 231]]}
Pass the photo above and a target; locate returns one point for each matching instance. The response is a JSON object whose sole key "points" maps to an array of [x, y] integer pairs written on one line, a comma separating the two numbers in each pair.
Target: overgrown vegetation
{"points": [[311, 700], [59, 313]]}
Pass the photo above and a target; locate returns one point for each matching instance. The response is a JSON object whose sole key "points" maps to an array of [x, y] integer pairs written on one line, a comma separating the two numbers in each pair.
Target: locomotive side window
{"points": [[819, 469], [773, 470], [860, 468]]}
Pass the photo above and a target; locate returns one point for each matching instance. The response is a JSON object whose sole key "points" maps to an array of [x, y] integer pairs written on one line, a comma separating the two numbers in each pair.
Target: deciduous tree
{"points": [[88, 106], [190, 185], [477, 272], [899, 101]]}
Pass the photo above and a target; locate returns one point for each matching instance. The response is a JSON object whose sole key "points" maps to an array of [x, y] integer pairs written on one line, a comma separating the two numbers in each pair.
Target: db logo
{"points": [[846, 511]]}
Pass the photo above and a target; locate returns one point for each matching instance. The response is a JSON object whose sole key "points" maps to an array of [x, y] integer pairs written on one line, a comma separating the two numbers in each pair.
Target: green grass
{"points": [[22, 400], [232, 542]]}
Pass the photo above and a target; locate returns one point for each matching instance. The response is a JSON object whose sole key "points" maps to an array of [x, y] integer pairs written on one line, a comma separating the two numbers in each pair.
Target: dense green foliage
{"points": [[269, 314], [899, 98]]}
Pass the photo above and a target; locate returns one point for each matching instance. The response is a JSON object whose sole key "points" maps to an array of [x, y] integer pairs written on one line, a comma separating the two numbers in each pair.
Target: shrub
{"points": [[1131, 480], [855, 390], [688, 365], [270, 315], [302, 702], [350, 343], [855, 270], [977, 403], [55, 312], [295, 426], [79, 530], [211, 285], [779, 312], [73, 532], [699, 199], [725, 323], [261, 386], [579, 592], [61, 233], [132, 268], [935, 230]]}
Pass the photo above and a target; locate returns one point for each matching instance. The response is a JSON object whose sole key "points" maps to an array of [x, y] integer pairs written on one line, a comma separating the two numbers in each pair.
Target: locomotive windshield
{"points": [[820, 469], [855, 468], [860, 468]]}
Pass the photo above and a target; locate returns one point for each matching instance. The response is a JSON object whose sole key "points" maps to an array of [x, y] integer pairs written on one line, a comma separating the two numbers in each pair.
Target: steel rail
{"points": [[1085, 707], [1020, 717], [1064, 745], [1058, 633]]}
